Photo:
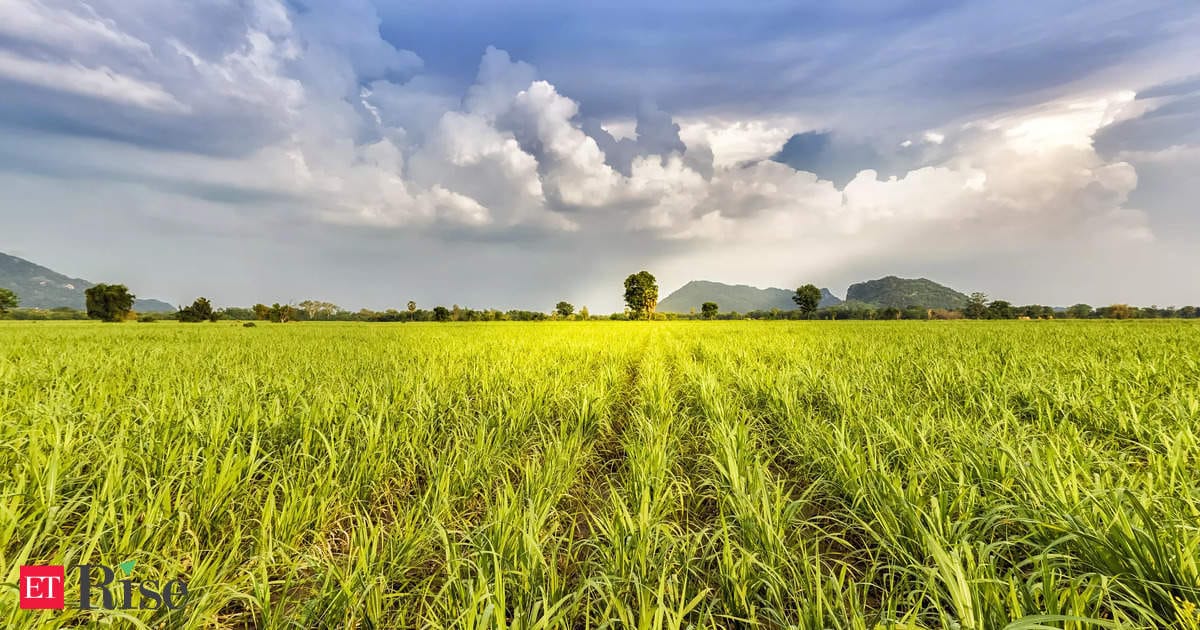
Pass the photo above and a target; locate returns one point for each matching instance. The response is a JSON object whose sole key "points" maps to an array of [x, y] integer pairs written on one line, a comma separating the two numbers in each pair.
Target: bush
{"points": [[147, 319], [248, 325]]}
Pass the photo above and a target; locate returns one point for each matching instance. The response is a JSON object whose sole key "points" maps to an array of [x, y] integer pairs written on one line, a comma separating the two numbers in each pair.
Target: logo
{"points": [[44, 587]]}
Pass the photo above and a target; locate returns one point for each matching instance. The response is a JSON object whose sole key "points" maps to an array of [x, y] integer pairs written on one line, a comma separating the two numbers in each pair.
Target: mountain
{"points": [[902, 292], [39, 287], [733, 297]]}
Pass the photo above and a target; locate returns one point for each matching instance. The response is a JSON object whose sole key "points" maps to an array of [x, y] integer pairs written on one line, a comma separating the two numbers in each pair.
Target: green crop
{"points": [[859, 475]]}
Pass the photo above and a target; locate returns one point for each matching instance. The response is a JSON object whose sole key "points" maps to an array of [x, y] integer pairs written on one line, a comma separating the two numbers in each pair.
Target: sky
{"points": [[513, 154]]}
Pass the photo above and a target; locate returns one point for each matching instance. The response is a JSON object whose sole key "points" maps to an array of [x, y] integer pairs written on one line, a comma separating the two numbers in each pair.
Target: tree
{"points": [[441, 313], [237, 312], [976, 307], [999, 309], [584, 314], [1121, 311], [8, 300], [1079, 311], [199, 311], [708, 310], [889, 312], [412, 309], [262, 311], [807, 298], [641, 295], [316, 309], [281, 313], [109, 302], [564, 309]]}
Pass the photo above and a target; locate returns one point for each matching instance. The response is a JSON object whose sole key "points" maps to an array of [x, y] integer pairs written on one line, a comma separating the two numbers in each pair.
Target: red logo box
{"points": [[42, 587]]}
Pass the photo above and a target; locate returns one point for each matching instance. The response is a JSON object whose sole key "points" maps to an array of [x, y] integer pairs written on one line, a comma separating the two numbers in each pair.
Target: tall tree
{"points": [[564, 309], [281, 313], [641, 294], [412, 309], [8, 300], [109, 302], [708, 310], [584, 314], [199, 311], [976, 306], [807, 299], [316, 309]]}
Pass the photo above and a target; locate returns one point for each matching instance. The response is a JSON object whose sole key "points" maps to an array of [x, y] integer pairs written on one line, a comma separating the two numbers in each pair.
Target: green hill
{"points": [[733, 297], [903, 292], [39, 287]]}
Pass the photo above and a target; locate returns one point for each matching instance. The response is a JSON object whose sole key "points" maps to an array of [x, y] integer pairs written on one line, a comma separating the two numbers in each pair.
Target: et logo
{"points": [[43, 587]]}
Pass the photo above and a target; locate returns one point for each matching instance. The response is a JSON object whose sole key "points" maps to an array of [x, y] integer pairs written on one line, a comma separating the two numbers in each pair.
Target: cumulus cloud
{"points": [[270, 104], [574, 168]]}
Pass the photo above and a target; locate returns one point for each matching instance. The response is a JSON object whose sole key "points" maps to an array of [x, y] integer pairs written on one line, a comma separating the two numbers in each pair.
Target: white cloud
{"points": [[62, 29], [1065, 123], [624, 129], [357, 145], [459, 208], [98, 82], [576, 172], [737, 141], [500, 78]]}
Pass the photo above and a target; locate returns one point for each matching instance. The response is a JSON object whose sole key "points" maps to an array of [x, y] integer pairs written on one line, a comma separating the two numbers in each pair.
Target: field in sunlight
{"points": [[633, 475]]}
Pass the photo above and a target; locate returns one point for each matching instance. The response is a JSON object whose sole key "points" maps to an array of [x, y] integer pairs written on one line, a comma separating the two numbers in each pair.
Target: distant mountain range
{"points": [[881, 293], [734, 297], [39, 287]]}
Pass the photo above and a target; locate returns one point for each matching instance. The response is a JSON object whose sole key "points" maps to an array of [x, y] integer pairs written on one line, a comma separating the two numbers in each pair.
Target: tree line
{"points": [[114, 303]]}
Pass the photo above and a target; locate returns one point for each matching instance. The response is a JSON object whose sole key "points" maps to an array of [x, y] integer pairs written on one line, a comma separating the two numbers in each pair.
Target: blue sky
{"points": [[513, 154]]}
